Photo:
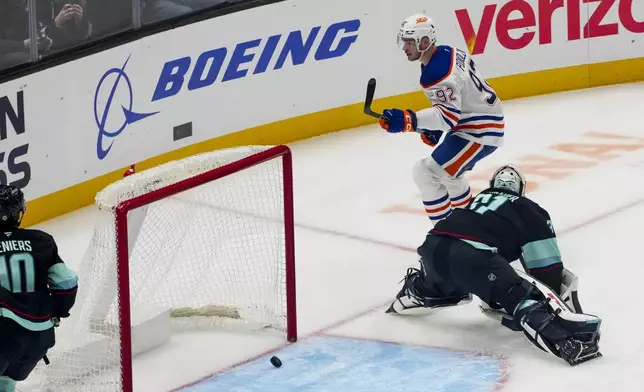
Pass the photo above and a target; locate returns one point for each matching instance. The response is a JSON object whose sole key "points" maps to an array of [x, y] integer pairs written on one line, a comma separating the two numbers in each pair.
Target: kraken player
{"points": [[470, 252], [465, 109], [36, 290]]}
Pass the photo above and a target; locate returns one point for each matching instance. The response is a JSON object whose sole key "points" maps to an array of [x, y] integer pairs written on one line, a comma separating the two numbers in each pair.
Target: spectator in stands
{"points": [[14, 34], [61, 24], [65, 22]]}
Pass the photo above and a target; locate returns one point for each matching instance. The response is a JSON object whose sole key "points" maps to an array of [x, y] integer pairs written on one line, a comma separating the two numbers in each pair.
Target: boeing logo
{"points": [[117, 77], [178, 77]]}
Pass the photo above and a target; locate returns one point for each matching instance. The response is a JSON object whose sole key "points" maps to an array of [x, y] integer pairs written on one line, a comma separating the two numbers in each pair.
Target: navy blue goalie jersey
{"points": [[512, 225]]}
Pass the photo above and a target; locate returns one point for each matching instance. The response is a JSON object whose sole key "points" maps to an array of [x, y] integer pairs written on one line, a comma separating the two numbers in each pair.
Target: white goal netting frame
{"points": [[123, 208]]}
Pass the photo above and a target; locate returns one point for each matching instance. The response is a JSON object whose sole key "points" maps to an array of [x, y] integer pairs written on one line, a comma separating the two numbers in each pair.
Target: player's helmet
{"points": [[417, 27], [509, 177], [12, 206]]}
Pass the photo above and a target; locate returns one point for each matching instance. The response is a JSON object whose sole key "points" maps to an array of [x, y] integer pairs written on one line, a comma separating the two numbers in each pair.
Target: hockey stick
{"points": [[371, 90]]}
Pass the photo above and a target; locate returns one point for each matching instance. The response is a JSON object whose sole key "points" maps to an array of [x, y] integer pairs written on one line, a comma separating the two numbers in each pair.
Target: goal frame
{"points": [[122, 254]]}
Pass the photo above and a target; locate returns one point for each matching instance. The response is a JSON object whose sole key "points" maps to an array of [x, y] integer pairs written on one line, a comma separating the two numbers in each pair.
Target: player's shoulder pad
{"points": [[532, 211], [535, 207], [439, 67], [39, 235]]}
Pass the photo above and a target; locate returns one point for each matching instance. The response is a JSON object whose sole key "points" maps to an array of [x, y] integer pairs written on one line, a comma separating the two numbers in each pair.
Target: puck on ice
{"points": [[276, 362]]}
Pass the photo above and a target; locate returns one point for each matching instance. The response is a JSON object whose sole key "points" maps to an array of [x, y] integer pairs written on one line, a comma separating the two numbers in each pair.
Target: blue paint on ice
{"points": [[332, 364]]}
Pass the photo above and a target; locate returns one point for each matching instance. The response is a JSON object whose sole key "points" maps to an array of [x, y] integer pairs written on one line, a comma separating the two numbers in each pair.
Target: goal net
{"points": [[201, 242]]}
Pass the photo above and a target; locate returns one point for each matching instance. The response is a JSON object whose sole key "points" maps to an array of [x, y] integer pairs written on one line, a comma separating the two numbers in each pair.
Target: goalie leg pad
{"points": [[574, 337], [496, 312], [569, 294]]}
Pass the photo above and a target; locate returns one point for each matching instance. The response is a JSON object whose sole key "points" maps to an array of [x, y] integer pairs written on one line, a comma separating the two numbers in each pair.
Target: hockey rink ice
{"points": [[359, 221]]}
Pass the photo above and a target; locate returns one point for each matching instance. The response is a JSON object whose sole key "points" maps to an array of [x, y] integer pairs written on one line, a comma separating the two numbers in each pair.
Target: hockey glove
{"points": [[431, 138], [396, 121]]}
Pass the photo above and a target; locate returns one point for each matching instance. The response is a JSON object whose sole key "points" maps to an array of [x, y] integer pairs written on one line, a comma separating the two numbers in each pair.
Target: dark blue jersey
{"points": [[35, 284], [512, 225]]}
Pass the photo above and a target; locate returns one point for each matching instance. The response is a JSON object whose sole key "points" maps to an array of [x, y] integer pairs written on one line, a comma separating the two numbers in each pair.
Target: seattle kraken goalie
{"points": [[469, 253]]}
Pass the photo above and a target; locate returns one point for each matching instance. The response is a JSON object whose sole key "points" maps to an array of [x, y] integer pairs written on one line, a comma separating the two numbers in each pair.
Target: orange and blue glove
{"points": [[431, 138], [396, 121]]}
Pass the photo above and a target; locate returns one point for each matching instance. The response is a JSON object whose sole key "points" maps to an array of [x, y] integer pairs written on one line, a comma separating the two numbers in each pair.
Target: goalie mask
{"points": [[12, 206], [510, 178]]}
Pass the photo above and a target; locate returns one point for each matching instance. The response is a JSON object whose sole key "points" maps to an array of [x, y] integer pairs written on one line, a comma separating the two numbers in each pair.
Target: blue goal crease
{"points": [[336, 364]]}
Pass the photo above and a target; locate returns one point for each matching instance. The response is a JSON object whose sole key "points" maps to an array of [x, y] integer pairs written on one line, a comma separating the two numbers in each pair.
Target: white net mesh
{"points": [[210, 256]]}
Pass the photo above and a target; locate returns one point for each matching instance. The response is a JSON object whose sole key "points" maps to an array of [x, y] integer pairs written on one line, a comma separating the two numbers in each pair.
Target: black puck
{"points": [[276, 362]]}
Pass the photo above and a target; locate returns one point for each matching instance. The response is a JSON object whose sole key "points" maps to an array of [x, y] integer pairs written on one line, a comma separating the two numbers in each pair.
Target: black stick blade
{"points": [[371, 91]]}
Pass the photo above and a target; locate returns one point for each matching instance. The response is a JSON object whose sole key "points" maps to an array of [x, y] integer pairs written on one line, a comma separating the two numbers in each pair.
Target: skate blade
{"points": [[585, 359], [399, 308]]}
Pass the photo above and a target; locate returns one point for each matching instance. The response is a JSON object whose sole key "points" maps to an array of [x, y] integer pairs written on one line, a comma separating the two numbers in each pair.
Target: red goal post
{"points": [[238, 203]]}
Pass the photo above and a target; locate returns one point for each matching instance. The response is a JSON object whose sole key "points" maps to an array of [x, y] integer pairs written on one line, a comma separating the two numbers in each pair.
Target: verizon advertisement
{"points": [[547, 34], [518, 23], [80, 120]]}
